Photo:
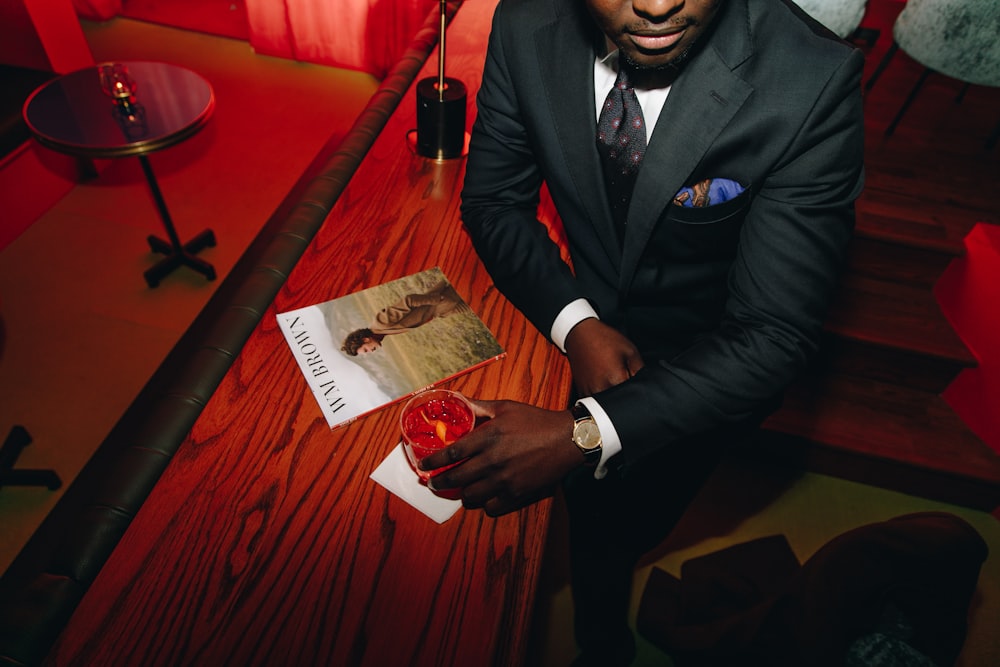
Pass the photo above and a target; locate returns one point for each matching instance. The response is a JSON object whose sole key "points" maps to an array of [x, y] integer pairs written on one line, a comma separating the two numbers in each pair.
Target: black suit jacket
{"points": [[725, 303]]}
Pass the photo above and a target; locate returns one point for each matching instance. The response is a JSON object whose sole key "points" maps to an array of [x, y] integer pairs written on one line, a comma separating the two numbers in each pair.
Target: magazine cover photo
{"points": [[365, 350]]}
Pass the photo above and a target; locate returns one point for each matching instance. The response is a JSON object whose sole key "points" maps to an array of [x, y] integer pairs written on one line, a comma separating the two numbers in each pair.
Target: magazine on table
{"points": [[366, 350]]}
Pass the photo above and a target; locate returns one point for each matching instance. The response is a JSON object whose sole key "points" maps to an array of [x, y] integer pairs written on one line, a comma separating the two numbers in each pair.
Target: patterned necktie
{"points": [[621, 142]]}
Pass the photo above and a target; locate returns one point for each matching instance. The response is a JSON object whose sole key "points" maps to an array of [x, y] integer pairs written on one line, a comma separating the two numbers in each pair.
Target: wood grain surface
{"points": [[265, 542]]}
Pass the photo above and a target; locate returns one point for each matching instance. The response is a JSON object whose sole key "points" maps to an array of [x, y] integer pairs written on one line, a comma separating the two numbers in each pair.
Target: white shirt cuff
{"points": [[610, 443], [572, 314]]}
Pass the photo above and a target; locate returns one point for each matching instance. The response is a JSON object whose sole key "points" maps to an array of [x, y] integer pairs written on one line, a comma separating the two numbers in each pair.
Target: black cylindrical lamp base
{"points": [[440, 118]]}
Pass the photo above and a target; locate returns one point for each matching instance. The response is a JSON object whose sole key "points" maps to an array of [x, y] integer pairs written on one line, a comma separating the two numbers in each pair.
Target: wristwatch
{"points": [[586, 435]]}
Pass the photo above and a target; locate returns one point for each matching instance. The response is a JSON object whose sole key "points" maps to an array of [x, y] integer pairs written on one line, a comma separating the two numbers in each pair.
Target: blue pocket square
{"points": [[708, 192]]}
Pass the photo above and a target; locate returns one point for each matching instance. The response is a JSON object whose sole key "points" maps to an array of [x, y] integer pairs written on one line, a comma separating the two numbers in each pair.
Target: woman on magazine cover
{"points": [[410, 312]]}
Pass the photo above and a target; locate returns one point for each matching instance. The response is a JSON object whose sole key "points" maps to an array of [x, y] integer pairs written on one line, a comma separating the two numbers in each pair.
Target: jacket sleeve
{"points": [[500, 196]]}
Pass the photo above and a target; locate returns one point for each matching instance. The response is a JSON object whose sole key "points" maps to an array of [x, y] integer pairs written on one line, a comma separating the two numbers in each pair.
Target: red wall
{"points": [[969, 294]]}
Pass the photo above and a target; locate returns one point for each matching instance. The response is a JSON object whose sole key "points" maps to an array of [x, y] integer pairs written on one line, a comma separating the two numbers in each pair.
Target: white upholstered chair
{"points": [[957, 38], [842, 17]]}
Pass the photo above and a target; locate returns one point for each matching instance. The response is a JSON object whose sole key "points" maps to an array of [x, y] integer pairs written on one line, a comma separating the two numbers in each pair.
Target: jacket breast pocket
{"points": [[699, 234]]}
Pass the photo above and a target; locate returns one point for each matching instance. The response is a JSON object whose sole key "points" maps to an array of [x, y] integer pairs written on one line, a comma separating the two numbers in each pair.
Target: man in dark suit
{"points": [[683, 324]]}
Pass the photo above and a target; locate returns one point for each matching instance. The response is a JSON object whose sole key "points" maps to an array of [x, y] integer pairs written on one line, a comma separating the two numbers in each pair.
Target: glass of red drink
{"points": [[433, 420]]}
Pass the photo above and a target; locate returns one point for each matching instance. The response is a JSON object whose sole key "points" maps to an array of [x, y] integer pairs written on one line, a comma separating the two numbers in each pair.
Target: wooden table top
{"points": [[265, 542]]}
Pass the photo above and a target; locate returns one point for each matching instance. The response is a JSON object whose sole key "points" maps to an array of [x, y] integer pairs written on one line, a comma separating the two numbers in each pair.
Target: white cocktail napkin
{"points": [[396, 475]]}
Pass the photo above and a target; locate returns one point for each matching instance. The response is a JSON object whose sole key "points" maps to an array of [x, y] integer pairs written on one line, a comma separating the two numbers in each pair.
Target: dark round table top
{"points": [[73, 115]]}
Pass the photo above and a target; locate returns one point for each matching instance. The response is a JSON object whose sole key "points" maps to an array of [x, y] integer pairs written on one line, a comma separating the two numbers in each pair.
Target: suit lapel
{"points": [[569, 92], [701, 103]]}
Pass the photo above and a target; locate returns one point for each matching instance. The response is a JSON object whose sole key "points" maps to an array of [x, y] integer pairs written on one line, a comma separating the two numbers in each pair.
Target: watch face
{"points": [[586, 434]]}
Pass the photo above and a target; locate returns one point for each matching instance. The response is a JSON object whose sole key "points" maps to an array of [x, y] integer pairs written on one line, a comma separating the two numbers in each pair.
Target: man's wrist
{"points": [[610, 442], [586, 435]]}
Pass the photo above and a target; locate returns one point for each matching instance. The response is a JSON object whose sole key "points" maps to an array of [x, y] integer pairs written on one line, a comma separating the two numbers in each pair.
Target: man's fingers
{"points": [[443, 457], [481, 495], [495, 507], [485, 409], [466, 446]]}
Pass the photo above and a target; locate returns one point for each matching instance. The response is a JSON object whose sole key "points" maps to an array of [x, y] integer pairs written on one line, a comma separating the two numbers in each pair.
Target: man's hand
{"points": [[600, 357], [512, 459]]}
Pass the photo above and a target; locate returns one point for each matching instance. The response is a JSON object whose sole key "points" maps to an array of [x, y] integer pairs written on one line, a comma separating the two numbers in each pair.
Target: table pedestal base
{"points": [[177, 254], [182, 255], [17, 440]]}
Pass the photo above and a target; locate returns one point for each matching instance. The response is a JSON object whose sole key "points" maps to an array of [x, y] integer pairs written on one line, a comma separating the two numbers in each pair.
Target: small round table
{"points": [[72, 114]]}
